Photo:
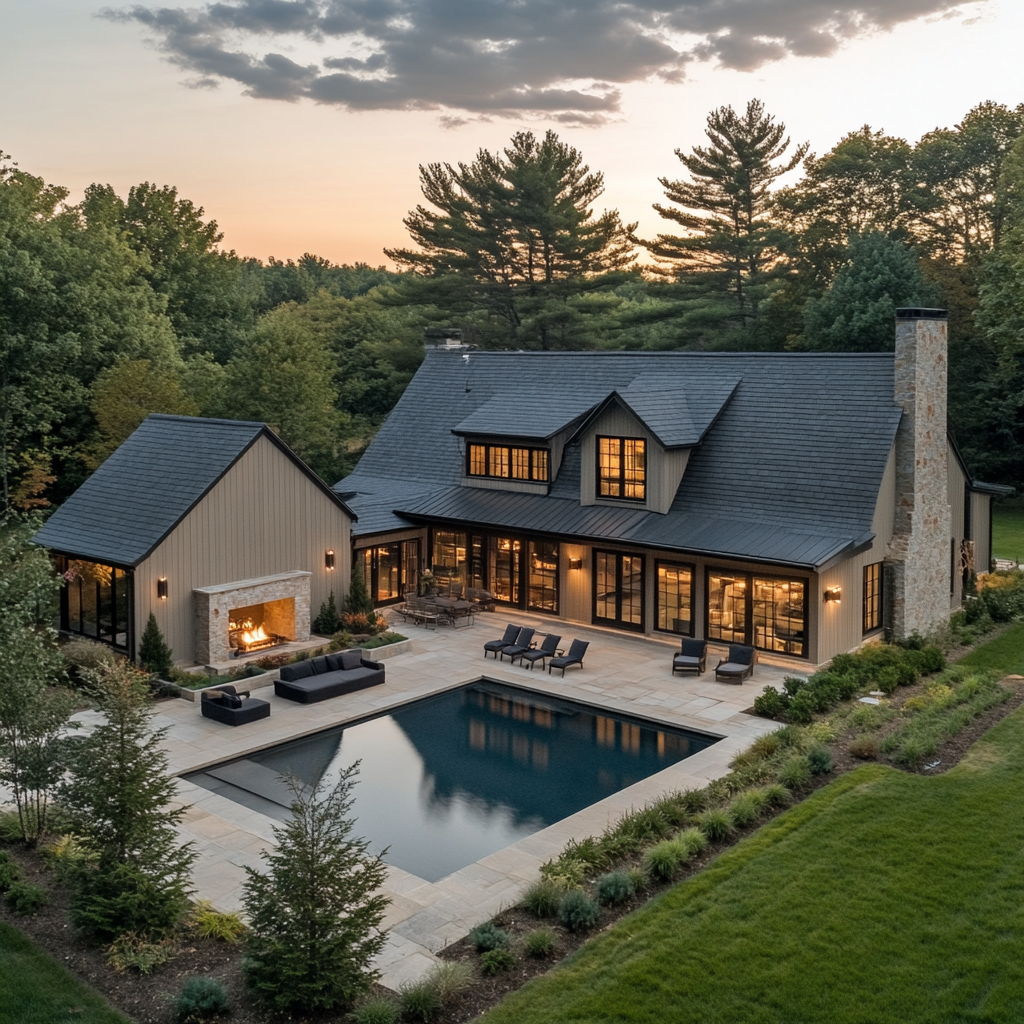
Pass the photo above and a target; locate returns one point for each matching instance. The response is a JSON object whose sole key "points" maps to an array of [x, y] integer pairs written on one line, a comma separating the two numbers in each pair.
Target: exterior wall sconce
{"points": [[161, 588], [833, 594], [329, 560], [575, 563]]}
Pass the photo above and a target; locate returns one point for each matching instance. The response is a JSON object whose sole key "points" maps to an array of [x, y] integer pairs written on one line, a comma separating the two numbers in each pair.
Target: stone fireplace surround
{"points": [[212, 605]]}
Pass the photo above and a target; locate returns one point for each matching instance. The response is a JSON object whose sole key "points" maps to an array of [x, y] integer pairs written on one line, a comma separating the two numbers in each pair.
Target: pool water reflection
{"points": [[453, 778]]}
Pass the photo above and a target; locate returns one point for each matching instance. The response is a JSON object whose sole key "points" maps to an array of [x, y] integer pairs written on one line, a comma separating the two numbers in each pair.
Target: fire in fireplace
{"points": [[259, 626]]}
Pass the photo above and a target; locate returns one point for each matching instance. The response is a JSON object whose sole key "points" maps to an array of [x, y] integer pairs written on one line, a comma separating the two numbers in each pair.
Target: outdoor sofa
{"points": [[327, 676], [232, 707]]}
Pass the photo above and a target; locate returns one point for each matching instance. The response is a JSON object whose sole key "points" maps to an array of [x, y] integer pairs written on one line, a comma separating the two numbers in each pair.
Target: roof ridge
{"points": [[205, 420]]}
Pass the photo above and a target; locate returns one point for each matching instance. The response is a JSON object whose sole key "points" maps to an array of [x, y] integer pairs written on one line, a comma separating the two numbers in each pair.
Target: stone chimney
{"points": [[918, 561]]}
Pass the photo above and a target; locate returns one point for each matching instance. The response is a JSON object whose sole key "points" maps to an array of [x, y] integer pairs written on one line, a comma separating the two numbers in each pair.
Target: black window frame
{"points": [[599, 478], [539, 462], [876, 598], [123, 594], [618, 622], [659, 564]]}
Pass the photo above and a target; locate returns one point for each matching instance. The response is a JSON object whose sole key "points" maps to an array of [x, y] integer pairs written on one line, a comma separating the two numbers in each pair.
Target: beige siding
{"points": [[576, 585], [981, 524], [265, 516], [957, 485]]}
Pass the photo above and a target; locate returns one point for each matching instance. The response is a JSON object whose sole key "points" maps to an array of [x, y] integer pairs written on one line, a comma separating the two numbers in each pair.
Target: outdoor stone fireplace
{"points": [[250, 615]]}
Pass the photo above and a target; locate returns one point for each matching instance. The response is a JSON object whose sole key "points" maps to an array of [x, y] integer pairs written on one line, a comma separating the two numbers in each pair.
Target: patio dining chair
{"points": [[548, 649], [692, 656], [575, 657]]}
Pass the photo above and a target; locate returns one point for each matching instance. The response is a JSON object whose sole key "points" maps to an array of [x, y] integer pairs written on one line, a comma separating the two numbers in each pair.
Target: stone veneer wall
{"points": [[918, 560], [213, 603]]}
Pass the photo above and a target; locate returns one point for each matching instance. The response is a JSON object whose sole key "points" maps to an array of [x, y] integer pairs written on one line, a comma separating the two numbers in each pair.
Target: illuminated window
{"points": [[675, 598], [477, 460], [766, 612], [504, 462], [497, 462], [621, 468], [872, 597], [521, 463]]}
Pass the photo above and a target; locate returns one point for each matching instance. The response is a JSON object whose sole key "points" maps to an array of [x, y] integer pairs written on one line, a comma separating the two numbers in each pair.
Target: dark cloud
{"points": [[561, 58]]}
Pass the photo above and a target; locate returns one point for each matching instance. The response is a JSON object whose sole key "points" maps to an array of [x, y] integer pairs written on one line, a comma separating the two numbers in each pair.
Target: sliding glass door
{"points": [[767, 612], [619, 590]]}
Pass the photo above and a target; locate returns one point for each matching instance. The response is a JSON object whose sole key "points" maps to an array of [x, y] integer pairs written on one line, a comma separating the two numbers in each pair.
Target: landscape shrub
{"points": [[488, 936], [791, 737], [795, 773], [974, 610], [614, 887], [887, 679], [89, 654], [998, 603], [495, 961], [770, 703], [24, 898], [154, 654], [377, 1010], [9, 871], [540, 943], [746, 808], [450, 979], [543, 897], [213, 924], [793, 685], [134, 952], [10, 827], [691, 841], [340, 641], [577, 911], [865, 748], [820, 760], [776, 795], [200, 1000], [382, 640], [327, 621], [802, 707], [715, 823], [663, 860], [419, 1000]]}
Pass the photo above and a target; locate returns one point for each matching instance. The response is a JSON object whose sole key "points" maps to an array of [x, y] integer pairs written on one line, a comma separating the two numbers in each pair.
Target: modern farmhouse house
{"points": [[215, 526], [796, 502]]}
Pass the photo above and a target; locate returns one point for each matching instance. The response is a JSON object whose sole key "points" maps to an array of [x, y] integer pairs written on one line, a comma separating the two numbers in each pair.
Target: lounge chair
{"points": [[575, 656], [738, 665], [511, 634], [524, 642], [231, 706], [547, 649], [692, 656]]}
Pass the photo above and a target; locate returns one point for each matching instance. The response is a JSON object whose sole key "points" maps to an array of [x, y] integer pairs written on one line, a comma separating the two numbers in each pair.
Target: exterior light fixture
{"points": [[575, 563], [329, 560], [161, 588], [833, 594]]}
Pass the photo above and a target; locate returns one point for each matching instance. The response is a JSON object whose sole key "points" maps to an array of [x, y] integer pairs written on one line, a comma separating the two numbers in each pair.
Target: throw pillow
{"points": [[351, 659]]}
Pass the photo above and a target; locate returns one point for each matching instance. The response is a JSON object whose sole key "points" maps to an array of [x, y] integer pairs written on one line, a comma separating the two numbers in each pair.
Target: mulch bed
{"points": [[147, 999]]}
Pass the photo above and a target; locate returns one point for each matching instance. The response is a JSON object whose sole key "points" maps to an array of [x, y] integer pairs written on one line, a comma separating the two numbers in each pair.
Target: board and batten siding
{"points": [[981, 530], [841, 626], [263, 517], [957, 494]]}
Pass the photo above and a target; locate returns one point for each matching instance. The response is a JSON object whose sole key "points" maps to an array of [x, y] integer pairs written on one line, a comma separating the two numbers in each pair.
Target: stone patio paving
{"points": [[621, 673]]}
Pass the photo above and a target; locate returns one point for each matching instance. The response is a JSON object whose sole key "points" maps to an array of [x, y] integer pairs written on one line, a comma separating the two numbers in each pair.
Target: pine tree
{"points": [[314, 918], [118, 796], [154, 654], [327, 621], [358, 600]]}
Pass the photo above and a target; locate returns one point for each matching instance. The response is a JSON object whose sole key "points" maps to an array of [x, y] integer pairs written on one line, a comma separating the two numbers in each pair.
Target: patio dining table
{"points": [[456, 608]]}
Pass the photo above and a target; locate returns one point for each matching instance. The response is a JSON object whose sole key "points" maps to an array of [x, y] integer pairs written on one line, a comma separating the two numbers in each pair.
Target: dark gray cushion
{"points": [[319, 664], [351, 659], [300, 670], [336, 662]]}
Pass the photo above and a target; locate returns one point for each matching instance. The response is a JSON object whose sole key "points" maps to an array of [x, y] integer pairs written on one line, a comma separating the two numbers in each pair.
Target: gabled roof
{"points": [[150, 483], [788, 449]]}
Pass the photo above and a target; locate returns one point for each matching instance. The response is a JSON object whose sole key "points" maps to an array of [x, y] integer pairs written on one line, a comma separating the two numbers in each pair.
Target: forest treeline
{"points": [[116, 307]]}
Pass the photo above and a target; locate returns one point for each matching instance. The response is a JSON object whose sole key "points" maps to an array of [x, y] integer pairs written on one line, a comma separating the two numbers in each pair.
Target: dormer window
{"points": [[506, 462], [621, 468]]}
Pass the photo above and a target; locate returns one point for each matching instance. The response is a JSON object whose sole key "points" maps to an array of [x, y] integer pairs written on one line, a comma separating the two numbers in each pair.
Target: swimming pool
{"points": [[452, 778]]}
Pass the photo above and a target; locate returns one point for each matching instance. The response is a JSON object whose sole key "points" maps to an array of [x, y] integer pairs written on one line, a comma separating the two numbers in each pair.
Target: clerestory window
{"points": [[622, 468]]}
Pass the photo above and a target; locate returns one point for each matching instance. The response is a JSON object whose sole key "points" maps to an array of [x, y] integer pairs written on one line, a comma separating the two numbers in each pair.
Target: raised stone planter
{"points": [[387, 651], [252, 683]]}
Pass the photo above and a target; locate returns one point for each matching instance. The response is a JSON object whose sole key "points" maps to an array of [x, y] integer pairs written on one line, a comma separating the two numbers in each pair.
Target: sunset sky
{"points": [[299, 125]]}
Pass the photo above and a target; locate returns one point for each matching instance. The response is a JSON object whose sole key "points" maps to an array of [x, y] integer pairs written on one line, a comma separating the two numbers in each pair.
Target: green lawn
{"points": [[1008, 532], [35, 989], [1004, 655], [884, 897]]}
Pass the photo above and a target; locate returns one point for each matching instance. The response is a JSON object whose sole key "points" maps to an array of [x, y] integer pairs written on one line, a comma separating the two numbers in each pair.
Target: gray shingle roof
{"points": [[788, 469], [134, 500]]}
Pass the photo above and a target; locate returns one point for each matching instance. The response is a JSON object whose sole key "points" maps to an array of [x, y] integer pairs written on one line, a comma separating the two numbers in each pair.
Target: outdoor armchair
{"points": [[547, 649], [692, 656], [524, 642], [493, 646], [232, 707], [738, 665], [575, 656]]}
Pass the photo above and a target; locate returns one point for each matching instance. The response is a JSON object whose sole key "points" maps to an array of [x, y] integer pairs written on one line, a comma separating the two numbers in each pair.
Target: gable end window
{"points": [[506, 462], [872, 597], [622, 468]]}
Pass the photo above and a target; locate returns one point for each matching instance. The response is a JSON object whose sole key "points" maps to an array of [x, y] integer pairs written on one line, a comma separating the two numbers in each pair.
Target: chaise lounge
{"points": [[232, 707], [575, 657], [327, 676], [738, 665]]}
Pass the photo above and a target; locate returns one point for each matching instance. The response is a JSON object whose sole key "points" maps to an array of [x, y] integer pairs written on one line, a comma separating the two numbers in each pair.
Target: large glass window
{"points": [[504, 559], [872, 597], [727, 607], [543, 593], [767, 612], [504, 462], [675, 598], [621, 468], [449, 558], [619, 589], [391, 570], [96, 601]]}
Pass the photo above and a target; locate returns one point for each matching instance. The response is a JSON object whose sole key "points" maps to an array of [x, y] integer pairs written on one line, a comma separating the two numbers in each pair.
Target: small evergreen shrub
{"points": [[89, 654], [377, 1010], [776, 795], [998, 604], [639, 878], [212, 924], [770, 703], [577, 911], [802, 707], [488, 936], [154, 654], [793, 685], [663, 860], [820, 760], [795, 773], [24, 898], [10, 827], [865, 748], [746, 808], [615, 887], [200, 1000], [419, 1000], [790, 737], [9, 871], [133, 952], [327, 621], [450, 980], [887, 679], [540, 943], [716, 824], [543, 897], [495, 961]]}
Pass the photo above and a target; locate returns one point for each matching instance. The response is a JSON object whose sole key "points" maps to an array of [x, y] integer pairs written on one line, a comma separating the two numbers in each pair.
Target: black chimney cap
{"points": [[908, 313]]}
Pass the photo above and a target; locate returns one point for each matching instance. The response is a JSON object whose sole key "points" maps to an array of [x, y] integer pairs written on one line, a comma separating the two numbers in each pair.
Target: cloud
{"points": [[563, 59]]}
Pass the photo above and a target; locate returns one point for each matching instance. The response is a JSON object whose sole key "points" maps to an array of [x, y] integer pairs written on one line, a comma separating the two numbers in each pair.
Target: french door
{"points": [[619, 590]]}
